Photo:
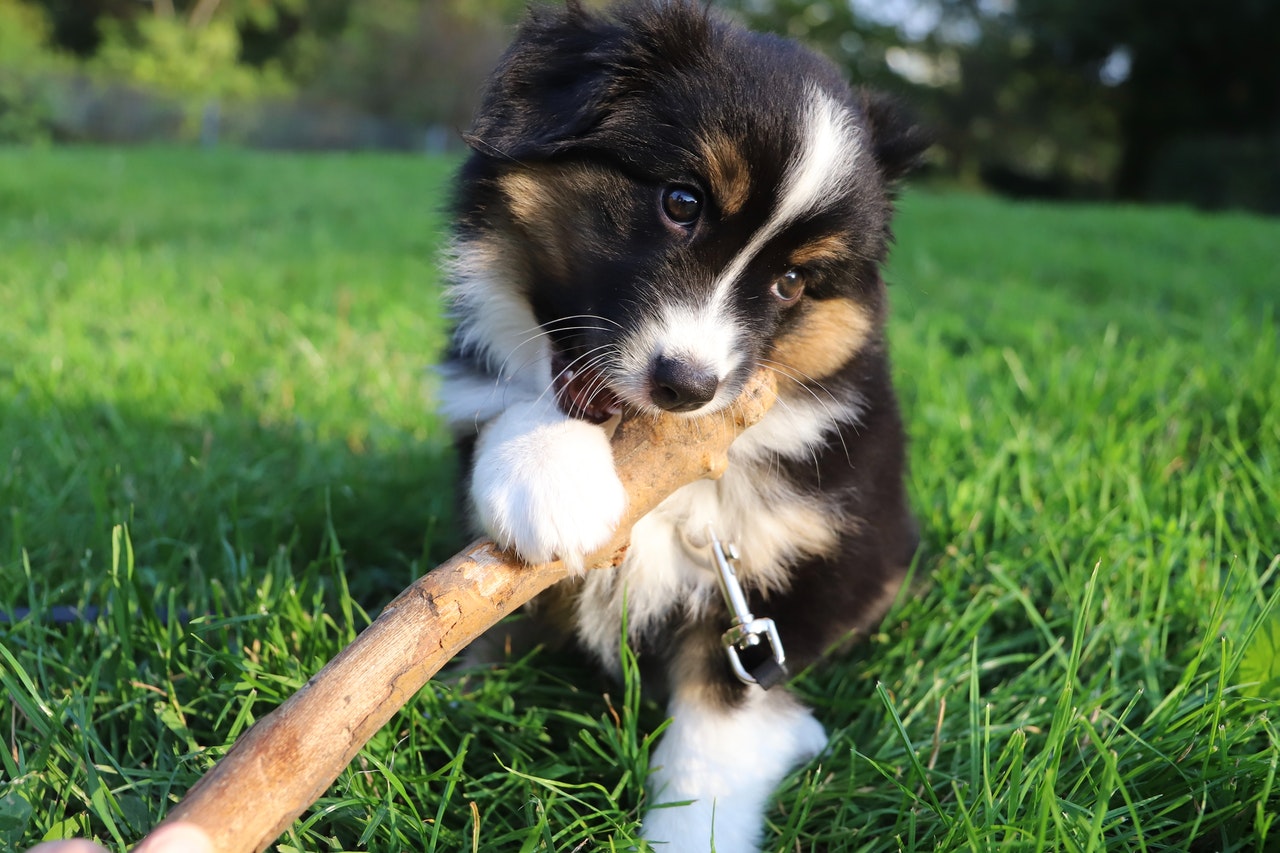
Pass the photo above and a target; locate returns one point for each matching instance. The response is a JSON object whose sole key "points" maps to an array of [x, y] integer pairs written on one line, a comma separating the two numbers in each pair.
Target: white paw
{"points": [[544, 484], [714, 771]]}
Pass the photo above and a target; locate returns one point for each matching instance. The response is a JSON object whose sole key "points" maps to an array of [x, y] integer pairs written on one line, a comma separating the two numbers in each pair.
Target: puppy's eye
{"points": [[682, 204], [789, 286]]}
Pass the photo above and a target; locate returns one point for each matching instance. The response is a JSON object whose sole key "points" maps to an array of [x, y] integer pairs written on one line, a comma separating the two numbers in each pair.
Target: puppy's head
{"points": [[674, 200]]}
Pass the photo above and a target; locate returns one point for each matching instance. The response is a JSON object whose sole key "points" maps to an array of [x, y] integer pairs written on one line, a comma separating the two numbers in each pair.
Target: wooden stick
{"points": [[287, 760]]}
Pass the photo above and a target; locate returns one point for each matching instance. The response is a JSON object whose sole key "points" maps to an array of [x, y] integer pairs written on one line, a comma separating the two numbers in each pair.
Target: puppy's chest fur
{"points": [[668, 577]]}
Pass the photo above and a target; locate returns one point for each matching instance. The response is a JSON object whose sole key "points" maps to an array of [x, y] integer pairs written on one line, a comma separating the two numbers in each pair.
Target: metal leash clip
{"points": [[748, 631]]}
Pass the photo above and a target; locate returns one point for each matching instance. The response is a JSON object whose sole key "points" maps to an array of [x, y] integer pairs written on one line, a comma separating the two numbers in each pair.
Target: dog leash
{"points": [[754, 639]]}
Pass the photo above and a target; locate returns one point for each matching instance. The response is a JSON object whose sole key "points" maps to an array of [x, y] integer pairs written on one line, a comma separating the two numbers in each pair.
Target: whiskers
{"points": [[564, 324], [475, 143], [522, 373], [545, 331], [595, 362]]}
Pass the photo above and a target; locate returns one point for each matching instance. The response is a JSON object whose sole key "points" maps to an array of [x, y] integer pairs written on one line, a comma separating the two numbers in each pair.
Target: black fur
{"points": [[588, 120], [626, 93]]}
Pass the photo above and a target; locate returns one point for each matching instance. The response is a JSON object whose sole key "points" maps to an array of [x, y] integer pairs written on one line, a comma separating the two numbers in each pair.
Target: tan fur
{"points": [[532, 200], [529, 196], [557, 207], [498, 252], [729, 174], [825, 338], [833, 247]]}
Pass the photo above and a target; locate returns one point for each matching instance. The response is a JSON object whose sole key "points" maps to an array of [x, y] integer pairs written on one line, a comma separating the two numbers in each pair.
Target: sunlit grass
{"points": [[227, 356]]}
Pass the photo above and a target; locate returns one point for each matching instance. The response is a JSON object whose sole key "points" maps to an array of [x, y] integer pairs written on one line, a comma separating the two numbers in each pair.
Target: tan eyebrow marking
{"points": [[728, 172], [833, 247]]}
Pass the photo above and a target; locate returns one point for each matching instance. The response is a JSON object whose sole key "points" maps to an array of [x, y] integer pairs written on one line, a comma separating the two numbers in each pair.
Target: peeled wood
{"points": [[287, 760]]}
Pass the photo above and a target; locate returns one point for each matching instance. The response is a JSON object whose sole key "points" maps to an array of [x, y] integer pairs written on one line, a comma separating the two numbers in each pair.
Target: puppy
{"points": [[659, 202]]}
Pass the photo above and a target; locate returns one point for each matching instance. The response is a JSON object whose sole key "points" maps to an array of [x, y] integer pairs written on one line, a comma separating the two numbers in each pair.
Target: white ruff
{"points": [[722, 766], [795, 426], [494, 320], [667, 570]]}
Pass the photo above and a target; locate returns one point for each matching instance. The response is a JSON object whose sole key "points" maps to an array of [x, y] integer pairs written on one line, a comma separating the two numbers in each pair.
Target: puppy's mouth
{"points": [[582, 391]]}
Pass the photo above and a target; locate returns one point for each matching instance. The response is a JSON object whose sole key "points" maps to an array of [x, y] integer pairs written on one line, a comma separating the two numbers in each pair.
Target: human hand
{"points": [[75, 845], [170, 838]]}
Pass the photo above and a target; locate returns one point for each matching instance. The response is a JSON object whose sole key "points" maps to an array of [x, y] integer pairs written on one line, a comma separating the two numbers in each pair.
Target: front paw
{"points": [[544, 484]]}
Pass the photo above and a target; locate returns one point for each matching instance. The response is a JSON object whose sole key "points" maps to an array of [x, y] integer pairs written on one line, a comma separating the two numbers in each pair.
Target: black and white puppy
{"points": [[657, 203]]}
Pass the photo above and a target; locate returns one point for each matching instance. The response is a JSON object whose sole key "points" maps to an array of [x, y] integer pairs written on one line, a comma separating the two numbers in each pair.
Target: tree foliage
{"points": [[406, 59], [174, 56], [831, 26], [1192, 69], [25, 63], [1136, 98], [1164, 98], [418, 60]]}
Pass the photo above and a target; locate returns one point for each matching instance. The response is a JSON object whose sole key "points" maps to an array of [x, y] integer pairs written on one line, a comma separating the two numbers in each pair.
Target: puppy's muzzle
{"points": [[679, 385]]}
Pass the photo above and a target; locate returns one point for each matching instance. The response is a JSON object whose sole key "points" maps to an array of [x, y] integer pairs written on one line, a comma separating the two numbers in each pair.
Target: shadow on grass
{"points": [[219, 496]]}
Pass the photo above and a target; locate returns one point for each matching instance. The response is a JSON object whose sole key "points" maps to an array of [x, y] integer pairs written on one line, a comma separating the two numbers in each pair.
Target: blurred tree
{"points": [[74, 23], [77, 24], [415, 61], [1180, 68], [1013, 115], [420, 60], [833, 27], [189, 50], [25, 62]]}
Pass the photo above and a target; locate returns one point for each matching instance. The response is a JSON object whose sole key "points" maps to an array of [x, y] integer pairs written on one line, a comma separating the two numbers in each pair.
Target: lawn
{"points": [[217, 442]]}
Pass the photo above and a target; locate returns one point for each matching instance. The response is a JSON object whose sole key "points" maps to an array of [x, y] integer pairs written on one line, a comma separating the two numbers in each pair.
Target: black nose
{"points": [[679, 386]]}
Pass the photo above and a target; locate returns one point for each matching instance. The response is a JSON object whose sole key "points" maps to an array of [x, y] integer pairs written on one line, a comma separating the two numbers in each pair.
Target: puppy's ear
{"points": [[897, 141], [550, 87], [570, 70]]}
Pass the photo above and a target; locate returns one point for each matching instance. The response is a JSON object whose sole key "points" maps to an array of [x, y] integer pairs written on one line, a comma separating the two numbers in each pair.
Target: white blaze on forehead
{"points": [[817, 174]]}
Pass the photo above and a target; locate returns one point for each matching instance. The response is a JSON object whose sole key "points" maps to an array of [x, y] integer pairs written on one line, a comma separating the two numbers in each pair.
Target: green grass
{"points": [[215, 399]]}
